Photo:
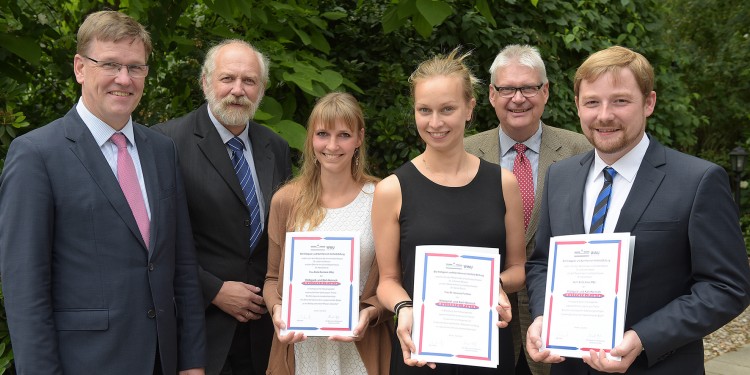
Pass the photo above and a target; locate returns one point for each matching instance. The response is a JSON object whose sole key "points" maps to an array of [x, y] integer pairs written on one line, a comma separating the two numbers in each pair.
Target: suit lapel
{"points": [[490, 147], [647, 181], [88, 152], [150, 178], [549, 153], [575, 206], [264, 163], [209, 142]]}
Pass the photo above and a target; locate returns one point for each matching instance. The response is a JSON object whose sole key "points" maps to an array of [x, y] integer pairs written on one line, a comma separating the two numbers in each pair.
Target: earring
{"points": [[316, 162], [356, 157]]}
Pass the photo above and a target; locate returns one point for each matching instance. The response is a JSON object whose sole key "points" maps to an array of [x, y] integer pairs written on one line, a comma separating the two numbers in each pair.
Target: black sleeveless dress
{"points": [[470, 215]]}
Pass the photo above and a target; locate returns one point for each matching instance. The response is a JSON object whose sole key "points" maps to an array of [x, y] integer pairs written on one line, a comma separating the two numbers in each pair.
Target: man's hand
{"points": [[240, 300], [534, 344], [629, 349]]}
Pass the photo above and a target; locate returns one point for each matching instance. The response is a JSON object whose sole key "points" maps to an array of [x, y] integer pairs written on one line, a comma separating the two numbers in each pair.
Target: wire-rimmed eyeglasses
{"points": [[111, 68]]}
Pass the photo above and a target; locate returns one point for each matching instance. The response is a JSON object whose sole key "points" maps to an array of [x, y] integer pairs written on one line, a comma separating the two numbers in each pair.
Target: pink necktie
{"points": [[130, 186], [522, 170]]}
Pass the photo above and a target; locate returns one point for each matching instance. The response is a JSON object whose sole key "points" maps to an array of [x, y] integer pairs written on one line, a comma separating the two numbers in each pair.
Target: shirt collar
{"points": [[627, 166], [225, 134], [99, 129], [534, 143]]}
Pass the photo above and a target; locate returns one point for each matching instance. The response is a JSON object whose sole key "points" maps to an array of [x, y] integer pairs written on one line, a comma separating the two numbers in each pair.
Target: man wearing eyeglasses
{"points": [[99, 271], [523, 144]]}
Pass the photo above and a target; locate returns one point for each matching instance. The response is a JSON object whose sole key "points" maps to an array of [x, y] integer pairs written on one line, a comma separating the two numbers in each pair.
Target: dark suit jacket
{"points": [[220, 221], [690, 272], [82, 292]]}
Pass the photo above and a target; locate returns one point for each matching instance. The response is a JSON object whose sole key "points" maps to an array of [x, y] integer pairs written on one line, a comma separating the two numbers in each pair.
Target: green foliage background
{"points": [[699, 49]]}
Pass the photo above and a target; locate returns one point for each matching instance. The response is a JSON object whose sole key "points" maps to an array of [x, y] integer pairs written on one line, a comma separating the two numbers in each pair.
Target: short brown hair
{"points": [[612, 60], [111, 26]]}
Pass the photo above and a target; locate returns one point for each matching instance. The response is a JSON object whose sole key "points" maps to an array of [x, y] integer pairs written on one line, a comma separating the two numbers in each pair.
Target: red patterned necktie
{"points": [[522, 170], [130, 186]]}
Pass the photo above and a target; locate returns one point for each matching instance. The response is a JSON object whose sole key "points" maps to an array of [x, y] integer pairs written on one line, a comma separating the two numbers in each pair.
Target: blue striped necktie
{"points": [[602, 202], [242, 169]]}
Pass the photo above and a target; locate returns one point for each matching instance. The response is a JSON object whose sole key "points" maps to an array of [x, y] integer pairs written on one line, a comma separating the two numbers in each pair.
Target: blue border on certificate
{"points": [[490, 329], [560, 246], [290, 274]]}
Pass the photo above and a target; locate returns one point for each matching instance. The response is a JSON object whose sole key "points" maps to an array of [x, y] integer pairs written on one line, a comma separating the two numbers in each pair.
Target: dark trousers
{"points": [[239, 361]]}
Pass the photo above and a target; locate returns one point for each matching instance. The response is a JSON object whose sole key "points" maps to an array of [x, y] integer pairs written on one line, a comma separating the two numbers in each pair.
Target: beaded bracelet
{"points": [[401, 305]]}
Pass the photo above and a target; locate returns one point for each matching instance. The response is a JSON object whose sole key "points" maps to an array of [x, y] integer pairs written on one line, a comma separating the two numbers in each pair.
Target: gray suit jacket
{"points": [[220, 220], [690, 272], [82, 292]]}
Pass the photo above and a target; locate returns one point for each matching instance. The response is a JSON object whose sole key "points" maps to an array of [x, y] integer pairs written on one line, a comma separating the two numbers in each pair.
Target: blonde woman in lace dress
{"points": [[333, 192]]}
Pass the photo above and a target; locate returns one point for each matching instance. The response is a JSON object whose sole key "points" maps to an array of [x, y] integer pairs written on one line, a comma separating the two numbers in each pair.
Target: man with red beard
{"points": [[519, 91], [690, 273], [231, 166]]}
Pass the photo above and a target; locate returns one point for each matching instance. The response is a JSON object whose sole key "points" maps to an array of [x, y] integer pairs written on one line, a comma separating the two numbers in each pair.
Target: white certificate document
{"points": [[455, 294], [588, 278], [321, 283]]}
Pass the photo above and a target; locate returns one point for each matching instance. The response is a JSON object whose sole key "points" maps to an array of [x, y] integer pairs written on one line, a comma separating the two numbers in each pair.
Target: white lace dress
{"points": [[318, 355]]}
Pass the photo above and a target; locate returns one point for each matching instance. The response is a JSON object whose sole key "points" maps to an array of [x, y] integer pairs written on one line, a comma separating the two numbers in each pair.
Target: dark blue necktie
{"points": [[602, 202], [242, 169]]}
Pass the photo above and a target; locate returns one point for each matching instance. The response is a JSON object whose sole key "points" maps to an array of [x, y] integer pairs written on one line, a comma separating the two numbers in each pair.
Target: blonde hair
{"points": [[111, 26], [613, 60], [440, 65], [331, 108]]}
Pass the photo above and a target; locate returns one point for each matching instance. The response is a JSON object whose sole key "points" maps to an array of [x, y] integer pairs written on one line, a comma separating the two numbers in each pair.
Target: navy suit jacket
{"points": [[690, 272], [221, 220], [82, 292]]}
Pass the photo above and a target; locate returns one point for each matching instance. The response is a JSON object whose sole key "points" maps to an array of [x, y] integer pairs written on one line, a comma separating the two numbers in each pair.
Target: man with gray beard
{"points": [[231, 167]]}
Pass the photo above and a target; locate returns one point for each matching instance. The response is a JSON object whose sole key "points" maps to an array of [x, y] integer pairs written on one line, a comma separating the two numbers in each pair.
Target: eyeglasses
{"points": [[526, 91], [112, 68]]}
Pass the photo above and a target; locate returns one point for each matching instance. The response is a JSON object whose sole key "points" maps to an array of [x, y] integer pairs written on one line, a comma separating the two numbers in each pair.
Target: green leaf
{"points": [[391, 20], [334, 15], [305, 37], [320, 42], [433, 11], [569, 38], [534, 3], [24, 47], [223, 8], [630, 27], [331, 78], [423, 27], [484, 10], [292, 132], [271, 110]]}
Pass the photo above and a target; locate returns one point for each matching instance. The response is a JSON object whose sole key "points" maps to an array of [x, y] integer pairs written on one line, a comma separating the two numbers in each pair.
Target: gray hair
{"points": [[525, 55], [209, 64]]}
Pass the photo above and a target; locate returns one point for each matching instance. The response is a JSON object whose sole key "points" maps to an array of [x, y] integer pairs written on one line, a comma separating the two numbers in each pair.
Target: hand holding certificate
{"points": [[321, 283], [455, 294], [588, 278]]}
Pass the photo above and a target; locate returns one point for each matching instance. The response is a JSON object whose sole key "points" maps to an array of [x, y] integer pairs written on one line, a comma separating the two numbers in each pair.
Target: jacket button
{"points": [[247, 222], [151, 313], [150, 266]]}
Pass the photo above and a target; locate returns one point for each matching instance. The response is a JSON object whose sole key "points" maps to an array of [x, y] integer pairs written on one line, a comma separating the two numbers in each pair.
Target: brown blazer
{"points": [[375, 346]]}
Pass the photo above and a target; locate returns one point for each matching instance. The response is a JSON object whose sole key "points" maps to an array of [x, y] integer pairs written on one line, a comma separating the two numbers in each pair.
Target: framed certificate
{"points": [[455, 295], [321, 283], [587, 291]]}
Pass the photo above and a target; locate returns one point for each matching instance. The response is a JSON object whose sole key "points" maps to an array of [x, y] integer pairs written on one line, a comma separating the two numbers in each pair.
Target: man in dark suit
{"points": [[232, 262], [690, 272], [98, 264], [518, 91]]}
